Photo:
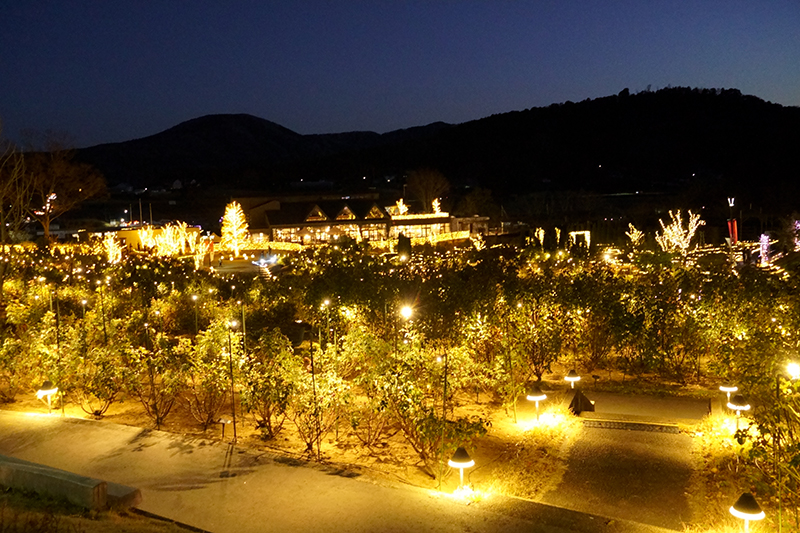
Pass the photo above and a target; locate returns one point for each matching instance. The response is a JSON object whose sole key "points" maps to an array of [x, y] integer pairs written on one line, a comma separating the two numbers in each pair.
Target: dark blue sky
{"points": [[112, 71]]}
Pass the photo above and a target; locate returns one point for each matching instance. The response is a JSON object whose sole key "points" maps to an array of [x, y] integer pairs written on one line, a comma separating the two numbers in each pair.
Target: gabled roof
{"points": [[331, 212]]}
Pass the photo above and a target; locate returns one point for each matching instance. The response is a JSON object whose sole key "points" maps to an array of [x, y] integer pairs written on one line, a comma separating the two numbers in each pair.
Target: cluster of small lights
{"points": [[676, 238]]}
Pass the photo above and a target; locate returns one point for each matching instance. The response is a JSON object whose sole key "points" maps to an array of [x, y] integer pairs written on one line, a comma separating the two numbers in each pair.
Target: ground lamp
{"points": [[223, 421], [738, 404], [728, 388], [572, 377], [535, 394], [461, 460], [747, 508], [47, 390]]}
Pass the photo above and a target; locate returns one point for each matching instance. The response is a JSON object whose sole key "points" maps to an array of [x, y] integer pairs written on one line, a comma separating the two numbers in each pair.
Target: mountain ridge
{"points": [[678, 137]]}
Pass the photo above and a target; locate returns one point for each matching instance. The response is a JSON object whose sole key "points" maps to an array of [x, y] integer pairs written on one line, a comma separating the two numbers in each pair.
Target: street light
{"points": [[194, 299], [231, 325], [406, 312], [535, 394], [47, 390], [572, 377], [747, 508], [461, 460], [738, 404]]}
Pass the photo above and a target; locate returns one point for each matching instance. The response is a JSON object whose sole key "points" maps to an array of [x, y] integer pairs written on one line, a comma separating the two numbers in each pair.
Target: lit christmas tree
{"points": [[235, 233]]}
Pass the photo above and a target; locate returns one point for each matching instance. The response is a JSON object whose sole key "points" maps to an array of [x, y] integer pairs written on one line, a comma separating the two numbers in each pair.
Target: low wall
{"points": [[90, 493]]}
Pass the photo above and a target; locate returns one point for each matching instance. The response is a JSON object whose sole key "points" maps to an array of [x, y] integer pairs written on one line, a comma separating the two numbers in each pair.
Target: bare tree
{"points": [[58, 182], [427, 185], [14, 199], [15, 192]]}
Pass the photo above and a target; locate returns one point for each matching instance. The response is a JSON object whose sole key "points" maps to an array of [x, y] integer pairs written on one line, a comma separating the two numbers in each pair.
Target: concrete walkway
{"points": [[632, 475], [219, 488]]}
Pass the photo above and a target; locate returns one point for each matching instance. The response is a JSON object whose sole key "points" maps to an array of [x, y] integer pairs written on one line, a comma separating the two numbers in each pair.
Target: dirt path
{"points": [[633, 475]]}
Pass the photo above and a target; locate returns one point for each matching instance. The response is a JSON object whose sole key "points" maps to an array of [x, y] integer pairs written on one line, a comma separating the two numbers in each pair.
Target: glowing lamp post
{"points": [[738, 404], [747, 508], [406, 312], [47, 390], [461, 460], [572, 377], [194, 299], [794, 370], [231, 325], [535, 394], [728, 388]]}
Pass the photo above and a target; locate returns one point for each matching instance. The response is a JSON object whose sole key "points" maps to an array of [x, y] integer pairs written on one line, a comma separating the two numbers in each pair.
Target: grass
{"points": [[535, 462], [724, 472], [23, 513]]}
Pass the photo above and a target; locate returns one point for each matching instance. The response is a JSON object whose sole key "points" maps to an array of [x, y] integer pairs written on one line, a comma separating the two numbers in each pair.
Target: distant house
{"points": [[326, 218]]}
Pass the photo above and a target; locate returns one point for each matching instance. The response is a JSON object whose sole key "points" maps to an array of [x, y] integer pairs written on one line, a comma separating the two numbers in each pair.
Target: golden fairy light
{"points": [[676, 238], [636, 236], [235, 232], [112, 248]]}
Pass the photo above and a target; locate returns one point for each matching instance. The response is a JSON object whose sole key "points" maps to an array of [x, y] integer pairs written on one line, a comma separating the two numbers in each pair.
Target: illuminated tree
{"points": [[58, 183], [235, 233], [636, 236], [676, 238], [112, 248]]}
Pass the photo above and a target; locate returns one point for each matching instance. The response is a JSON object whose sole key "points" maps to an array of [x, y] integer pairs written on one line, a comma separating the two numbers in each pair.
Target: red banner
{"points": [[733, 231]]}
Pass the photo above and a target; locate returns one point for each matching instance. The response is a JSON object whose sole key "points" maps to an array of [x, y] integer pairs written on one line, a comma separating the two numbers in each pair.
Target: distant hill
{"points": [[227, 151], [702, 143]]}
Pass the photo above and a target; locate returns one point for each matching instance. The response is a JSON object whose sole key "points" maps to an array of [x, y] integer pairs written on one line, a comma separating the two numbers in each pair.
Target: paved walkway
{"points": [[219, 488], [632, 475]]}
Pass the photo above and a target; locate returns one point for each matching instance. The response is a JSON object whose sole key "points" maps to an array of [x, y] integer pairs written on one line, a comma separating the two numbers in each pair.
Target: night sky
{"points": [[113, 71]]}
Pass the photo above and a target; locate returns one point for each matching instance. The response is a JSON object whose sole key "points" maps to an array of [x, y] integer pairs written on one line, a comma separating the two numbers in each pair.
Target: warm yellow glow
{"points": [[235, 234], [41, 393], [587, 235], [459, 464], [546, 420], [676, 238], [539, 234], [112, 248], [794, 370], [737, 408], [636, 236], [747, 516], [406, 311], [436, 206], [402, 208]]}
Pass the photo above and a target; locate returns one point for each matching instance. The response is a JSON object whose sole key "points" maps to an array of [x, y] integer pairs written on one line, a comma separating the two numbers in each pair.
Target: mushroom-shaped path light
{"points": [[747, 508], [461, 460], [572, 377], [47, 390], [728, 388], [535, 394], [738, 404]]}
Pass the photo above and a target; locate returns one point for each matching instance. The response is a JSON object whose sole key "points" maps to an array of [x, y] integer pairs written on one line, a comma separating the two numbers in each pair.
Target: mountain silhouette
{"points": [[703, 143]]}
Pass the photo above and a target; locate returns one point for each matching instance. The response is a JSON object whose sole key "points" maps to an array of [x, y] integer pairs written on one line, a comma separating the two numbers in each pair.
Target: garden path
{"points": [[633, 475], [218, 487]]}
